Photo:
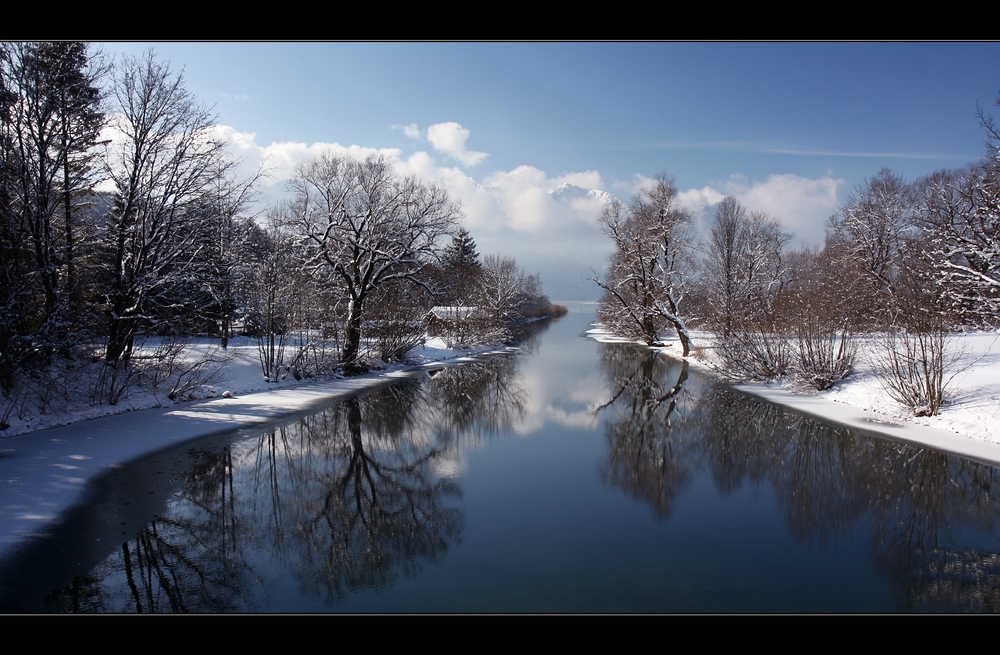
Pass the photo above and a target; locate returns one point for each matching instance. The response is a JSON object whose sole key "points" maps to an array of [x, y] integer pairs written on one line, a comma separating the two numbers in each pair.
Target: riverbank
{"points": [[235, 371], [968, 424], [43, 472]]}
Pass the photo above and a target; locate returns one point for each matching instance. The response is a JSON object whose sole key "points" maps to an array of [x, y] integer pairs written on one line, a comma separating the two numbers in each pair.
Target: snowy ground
{"points": [[969, 421], [239, 374], [43, 472]]}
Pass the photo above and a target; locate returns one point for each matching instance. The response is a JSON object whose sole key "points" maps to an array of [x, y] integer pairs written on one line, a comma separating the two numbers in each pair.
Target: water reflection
{"points": [[643, 487], [649, 430], [931, 518], [347, 499]]}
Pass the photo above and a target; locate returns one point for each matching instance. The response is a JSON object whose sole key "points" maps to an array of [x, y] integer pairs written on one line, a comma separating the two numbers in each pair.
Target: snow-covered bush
{"points": [[190, 376], [916, 366], [825, 356], [755, 354]]}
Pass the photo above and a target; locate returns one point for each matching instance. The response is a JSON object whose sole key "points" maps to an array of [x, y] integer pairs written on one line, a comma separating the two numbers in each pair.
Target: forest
{"points": [[905, 265], [126, 228]]}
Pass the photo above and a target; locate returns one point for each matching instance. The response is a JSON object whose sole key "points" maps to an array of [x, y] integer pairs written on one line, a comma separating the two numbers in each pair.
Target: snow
{"points": [[240, 374], [43, 472], [968, 424]]}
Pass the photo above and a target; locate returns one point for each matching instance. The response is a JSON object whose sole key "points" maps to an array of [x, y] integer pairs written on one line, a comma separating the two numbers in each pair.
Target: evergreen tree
{"points": [[461, 270], [50, 116], [52, 122], [462, 251]]}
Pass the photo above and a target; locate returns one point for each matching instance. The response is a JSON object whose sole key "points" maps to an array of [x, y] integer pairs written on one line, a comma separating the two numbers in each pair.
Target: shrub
{"points": [[755, 354], [826, 356], [916, 366]]}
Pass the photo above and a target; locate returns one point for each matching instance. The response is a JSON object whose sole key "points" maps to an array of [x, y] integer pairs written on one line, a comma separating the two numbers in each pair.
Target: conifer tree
{"points": [[462, 251], [50, 116], [462, 269]]}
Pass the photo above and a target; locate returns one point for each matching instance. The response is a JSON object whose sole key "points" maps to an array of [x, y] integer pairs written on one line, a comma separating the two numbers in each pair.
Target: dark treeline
{"points": [[124, 215], [908, 262]]}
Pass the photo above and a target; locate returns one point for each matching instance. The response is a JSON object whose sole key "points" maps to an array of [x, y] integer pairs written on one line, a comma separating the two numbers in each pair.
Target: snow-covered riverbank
{"points": [[44, 471], [237, 372], [968, 424]]}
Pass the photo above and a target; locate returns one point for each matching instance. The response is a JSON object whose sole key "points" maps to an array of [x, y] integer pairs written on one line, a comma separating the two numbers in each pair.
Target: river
{"points": [[571, 476]]}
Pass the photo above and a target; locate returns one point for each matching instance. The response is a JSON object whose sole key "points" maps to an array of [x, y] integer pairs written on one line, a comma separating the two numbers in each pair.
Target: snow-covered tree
{"points": [[744, 266], [50, 115], [645, 278], [961, 213], [165, 165], [51, 123], [501, 289], [870, 228], [370, 226]]}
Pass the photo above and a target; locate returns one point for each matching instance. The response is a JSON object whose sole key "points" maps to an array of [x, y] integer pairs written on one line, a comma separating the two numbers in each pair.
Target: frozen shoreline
{"points": [[43, 472], [968, 425]]}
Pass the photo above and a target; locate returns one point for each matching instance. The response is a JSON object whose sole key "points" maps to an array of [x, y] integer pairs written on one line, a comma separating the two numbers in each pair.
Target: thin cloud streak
{"points": [[774, 150], [834, 153]]}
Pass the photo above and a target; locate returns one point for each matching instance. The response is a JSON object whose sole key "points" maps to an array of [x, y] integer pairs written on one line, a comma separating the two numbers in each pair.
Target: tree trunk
{"points": [[120, 342], [352, 339], [682, 334]]}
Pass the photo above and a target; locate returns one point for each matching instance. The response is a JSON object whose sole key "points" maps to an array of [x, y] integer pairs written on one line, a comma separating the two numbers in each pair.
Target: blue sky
{"points": [[790, 128]]}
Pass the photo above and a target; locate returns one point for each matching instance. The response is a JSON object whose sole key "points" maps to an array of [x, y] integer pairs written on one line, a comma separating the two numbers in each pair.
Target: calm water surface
{"points": [[571, 477]]}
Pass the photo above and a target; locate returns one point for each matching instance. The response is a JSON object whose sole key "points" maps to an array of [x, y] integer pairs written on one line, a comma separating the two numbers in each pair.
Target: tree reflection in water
{"points": [[358, 496], [919, 505], [346, 499], [649, 431]]}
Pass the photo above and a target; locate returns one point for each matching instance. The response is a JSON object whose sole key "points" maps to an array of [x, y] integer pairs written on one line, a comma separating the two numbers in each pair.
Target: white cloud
{"points": [[802, 204], [411, 130], [510, 212], [697, 200], [281, 159], [450, 139]]}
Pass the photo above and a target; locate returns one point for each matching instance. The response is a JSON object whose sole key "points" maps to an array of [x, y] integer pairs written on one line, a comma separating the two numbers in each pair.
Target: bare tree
{"points": [[725, 243], [745, 266], [871, 226], [763, 266], [370, 226], [266, 288], [165, 166], [229, 199], [644, 283]]}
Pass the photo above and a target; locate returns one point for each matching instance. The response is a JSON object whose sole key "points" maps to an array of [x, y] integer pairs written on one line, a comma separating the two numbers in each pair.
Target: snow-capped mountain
{"points": [[570, 192]]}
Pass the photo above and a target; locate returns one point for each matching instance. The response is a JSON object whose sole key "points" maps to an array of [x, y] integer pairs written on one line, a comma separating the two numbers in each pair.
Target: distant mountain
{"points": [[569, 192]]}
